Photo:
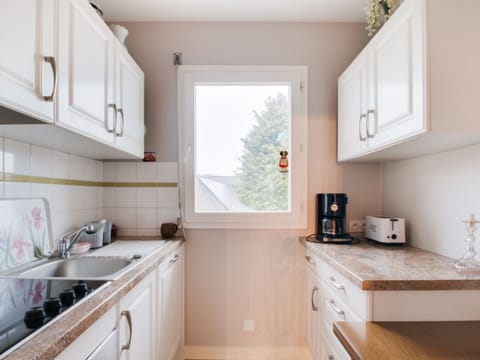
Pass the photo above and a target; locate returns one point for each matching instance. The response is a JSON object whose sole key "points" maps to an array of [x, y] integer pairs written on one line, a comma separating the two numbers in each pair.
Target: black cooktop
{"points": [[26, 305]]}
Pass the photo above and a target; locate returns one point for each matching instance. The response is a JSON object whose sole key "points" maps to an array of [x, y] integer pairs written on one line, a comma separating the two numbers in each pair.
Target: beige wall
{"points": [[233, 276], [435, 193]]}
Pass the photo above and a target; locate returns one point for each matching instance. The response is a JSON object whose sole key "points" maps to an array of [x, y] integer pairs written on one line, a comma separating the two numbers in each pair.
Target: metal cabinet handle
{"points": [[310, 260], [128, 316], [175, 259], [120, 134], [360, 136], [334, 283], [114, 107], [314, 307], [367, 125], [336, 309], [51, 60]]}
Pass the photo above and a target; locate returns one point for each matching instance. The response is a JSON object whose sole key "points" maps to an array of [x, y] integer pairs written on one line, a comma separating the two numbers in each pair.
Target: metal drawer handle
{"points": [[314, 307], [127, 314], [175, 259], [310, 260], [51, 60], [120, 110], [360, 136], [339, 311], [369, 134], [334, 283], [114, 107]]}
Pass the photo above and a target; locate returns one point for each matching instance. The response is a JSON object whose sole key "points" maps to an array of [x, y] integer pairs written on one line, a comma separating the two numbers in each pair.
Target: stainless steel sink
{"points": [[79, 268]]}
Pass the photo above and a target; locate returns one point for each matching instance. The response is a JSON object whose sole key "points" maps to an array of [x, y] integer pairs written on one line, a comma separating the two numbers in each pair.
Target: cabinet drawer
{"points": [[344, 290], [313, 262], [332, 348], [333, 309]]}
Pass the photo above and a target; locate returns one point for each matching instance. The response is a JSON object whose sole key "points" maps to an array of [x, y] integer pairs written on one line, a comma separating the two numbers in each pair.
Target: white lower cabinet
{"points": [[137, 321], [313, 318], [170, 306], [332, 298], [93, 339], [146, 324]]}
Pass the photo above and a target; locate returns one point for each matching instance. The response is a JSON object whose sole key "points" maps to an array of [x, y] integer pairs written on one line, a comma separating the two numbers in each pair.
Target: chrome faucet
{"points": [[73, 236]]}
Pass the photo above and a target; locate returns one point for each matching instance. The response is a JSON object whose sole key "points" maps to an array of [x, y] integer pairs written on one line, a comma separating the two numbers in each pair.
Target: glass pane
{"points": [[240, 130]]}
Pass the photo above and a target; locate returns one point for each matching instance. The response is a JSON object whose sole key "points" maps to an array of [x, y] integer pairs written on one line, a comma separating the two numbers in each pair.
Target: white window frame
{"points": [[187, 77]]}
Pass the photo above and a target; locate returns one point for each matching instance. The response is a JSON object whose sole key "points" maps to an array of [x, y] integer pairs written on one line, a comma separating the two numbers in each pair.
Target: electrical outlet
{"points": [[357, 226], [249, 325]]}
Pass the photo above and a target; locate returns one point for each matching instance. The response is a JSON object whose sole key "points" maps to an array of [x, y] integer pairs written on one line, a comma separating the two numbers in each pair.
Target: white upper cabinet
{"points": [[396, 87], [60, 63], [27, 59], [418, 96], [352, 109], [86, 72], [130, 128]]}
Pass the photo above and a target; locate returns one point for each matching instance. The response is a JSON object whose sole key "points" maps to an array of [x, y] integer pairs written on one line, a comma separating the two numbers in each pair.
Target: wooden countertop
{"points": [[373, 266], [410, 340]]}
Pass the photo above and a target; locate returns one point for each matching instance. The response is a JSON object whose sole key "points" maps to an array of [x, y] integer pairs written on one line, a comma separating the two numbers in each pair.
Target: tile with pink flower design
{"points": [[25, 233]]}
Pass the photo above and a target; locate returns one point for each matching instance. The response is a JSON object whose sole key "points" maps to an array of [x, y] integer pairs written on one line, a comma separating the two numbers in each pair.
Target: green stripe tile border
{"points": [[7, 177]]}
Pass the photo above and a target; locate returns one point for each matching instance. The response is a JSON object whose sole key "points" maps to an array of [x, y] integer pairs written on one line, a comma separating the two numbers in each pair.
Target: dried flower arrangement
{"points": [[378, 11]]}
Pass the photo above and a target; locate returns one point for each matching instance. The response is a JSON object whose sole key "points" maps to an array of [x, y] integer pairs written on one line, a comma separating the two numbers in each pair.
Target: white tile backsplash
{"points": [[59, 165], [40, 161], [146, 198], [76, 168], [15, 189], [147, 218], [167, 197], [109, 171], [147, 171], [17, 157], [90, 170], [98, 171], [166, 215], [125, 197], [109, 197], [136, 211], [43, 191], [126, 217], [167, 172], [125, 172]]}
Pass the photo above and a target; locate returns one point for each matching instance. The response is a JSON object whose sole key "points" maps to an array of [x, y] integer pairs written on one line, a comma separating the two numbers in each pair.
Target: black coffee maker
{"points": [[331, 218]]}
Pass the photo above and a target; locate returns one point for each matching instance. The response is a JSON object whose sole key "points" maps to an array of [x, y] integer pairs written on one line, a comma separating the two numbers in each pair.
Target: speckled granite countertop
{"points": [[373, 266], [54, 337]]}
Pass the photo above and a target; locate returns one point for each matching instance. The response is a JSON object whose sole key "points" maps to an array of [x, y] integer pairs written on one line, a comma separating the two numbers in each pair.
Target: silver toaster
{"points": [[385, 229]]}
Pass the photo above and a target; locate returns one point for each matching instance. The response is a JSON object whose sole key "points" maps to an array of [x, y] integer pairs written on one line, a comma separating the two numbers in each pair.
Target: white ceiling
{"points": [[233, 10]]}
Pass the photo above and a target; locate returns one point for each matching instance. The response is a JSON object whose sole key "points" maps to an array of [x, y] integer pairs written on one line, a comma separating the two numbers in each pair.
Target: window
{"points": [[233, 124]]}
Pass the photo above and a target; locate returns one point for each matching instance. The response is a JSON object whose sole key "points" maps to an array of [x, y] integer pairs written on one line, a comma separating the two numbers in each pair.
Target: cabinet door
{"points": [[27, 63], [138, 307], [352, 103], [313, 318], [130, 129], [396, 78], [86, 71], [171, 305]]}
